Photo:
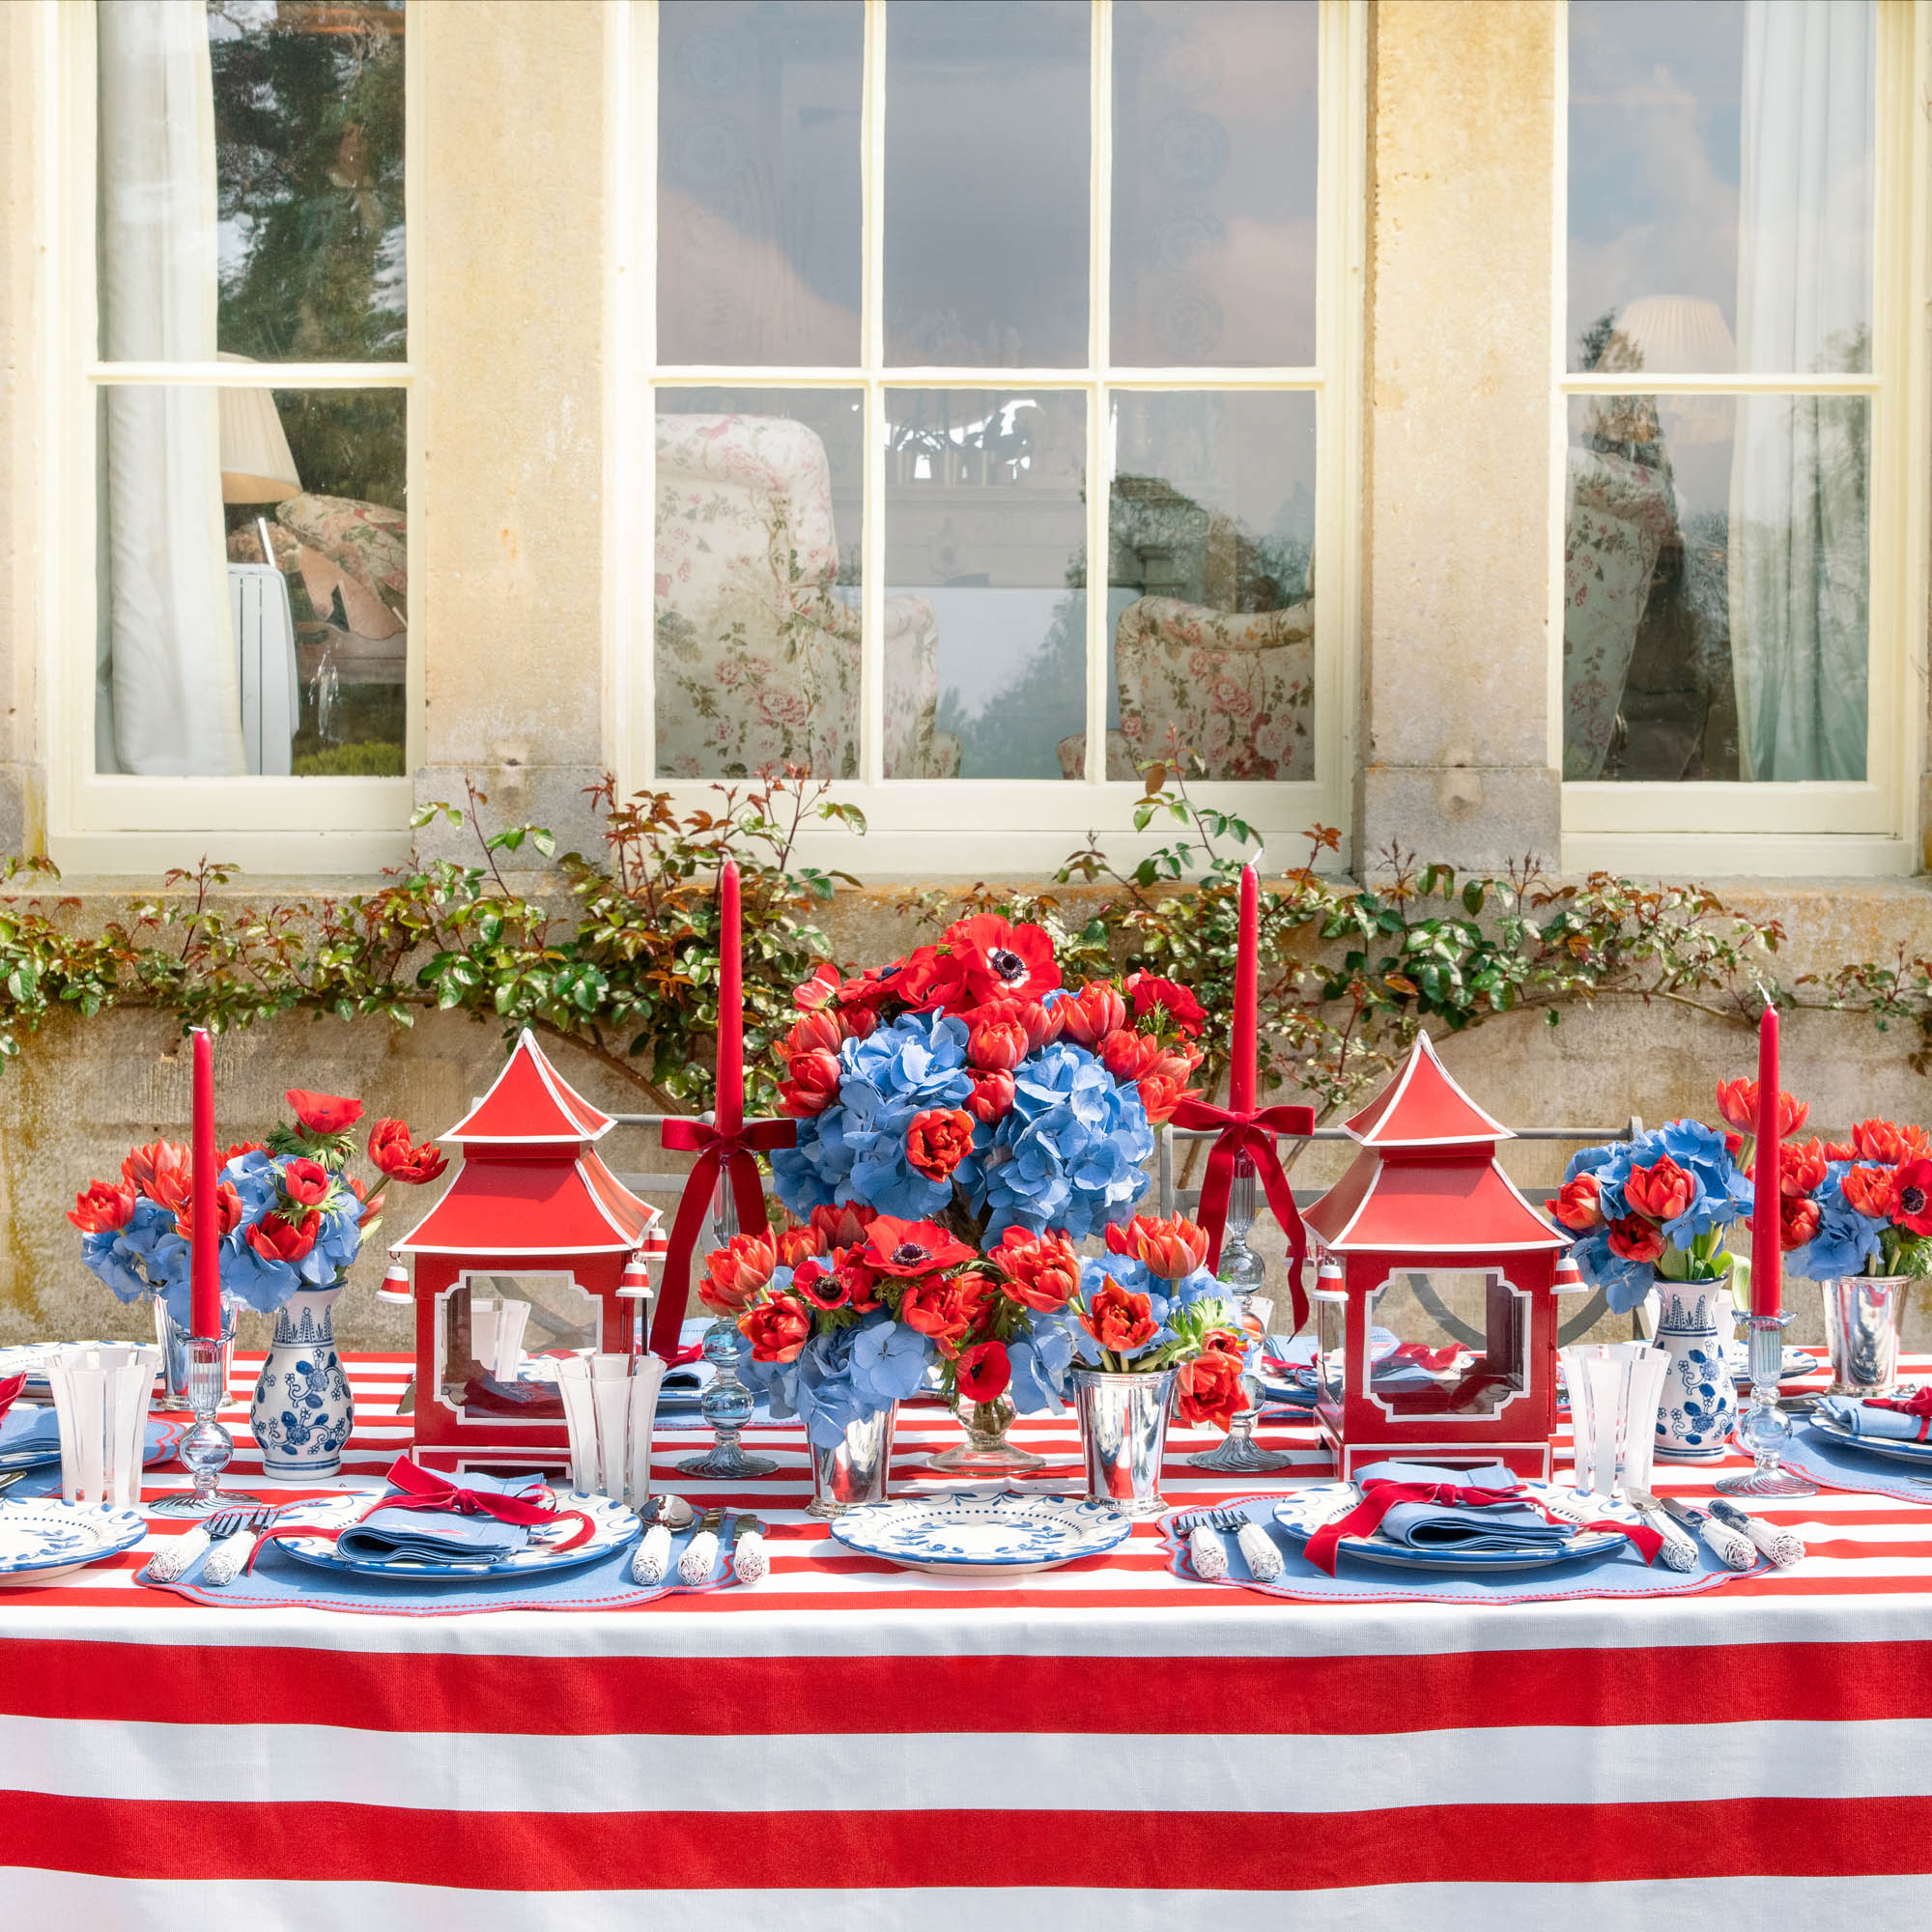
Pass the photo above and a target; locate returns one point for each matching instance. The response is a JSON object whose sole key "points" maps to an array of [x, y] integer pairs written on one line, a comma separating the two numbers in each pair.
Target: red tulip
{"points": [[936, 1308], [1003, 961], [281, 1237], [938, 1140], [1634, 1238], [1208, 1388], [1579, 1203], [1153, 994], [735, 1274], [812, 1085], [402, 1159], [906, 1249], [1871, 1191], [1120, 1320], [1092, 1014], [161, 1171], [101, 1208], [324, 1113], [983, 1372], [1888, 1142], [1801, 1170], [776, 1329], [841, 1226], [1039, 1024], [305, 1182], [1127, 1056], [1663, 1190], [817, 1032], [1039, 1271], [1737, 1101], [996, 1041], [1833, 1150], [1168, 1248], [818, 991], [794, 1246], [372, 1204], [227, 1215], [859, 1283], [992, 1096], [1797, 1221], [1161, 1096], [241, 1148]]}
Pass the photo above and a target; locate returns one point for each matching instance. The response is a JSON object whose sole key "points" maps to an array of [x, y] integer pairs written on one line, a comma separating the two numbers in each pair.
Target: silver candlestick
{"points": [[1244, 1272], [1764, 1427], [207, 1447]]}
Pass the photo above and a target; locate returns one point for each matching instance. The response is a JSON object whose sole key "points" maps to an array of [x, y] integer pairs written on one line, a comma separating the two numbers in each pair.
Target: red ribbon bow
{"points": [[1379, 1495], [1252, 1133], [1918, 1403], [424, 1490], [10, 1393], [734, 1154]]}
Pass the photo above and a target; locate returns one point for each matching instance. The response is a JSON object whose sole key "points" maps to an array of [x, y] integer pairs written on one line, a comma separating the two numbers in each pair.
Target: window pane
{"points": [[281, 237], [1214, 126], [986, 583], [986, 183], [758, 241], [214, 659], [760, 498], [1210, 576], [1715, 587], [1720, 185]]}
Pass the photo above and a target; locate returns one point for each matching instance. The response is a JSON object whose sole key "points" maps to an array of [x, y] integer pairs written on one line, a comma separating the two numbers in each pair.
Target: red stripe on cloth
{"points": [[729, 1696], [563, 1851]]}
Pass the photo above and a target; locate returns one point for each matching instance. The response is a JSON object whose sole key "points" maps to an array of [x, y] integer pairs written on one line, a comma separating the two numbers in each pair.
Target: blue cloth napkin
{"points": [[1853, 1412], [442, 1536], [27, 1431], [1451, 1525]]}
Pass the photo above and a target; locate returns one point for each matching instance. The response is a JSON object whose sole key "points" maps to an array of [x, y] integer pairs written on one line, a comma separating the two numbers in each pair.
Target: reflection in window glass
{"points": [[1716, 587], [756, 605], [1213, 227], [986, 583], [988, 116], [281, 240], [1211, 561], [254, 582], [1720, 185], [759, 234]]}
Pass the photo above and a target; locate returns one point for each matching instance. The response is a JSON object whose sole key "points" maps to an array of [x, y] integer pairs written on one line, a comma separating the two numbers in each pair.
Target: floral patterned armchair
{"points": [[758, 652], [1621, 511], [1237, 685]]}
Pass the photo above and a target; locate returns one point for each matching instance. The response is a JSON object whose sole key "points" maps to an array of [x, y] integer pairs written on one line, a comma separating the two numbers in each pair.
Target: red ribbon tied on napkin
{"points": [[424, 1490], [10, 1393], [735, 1154], [1918, 1403], [1251, 1133], [1380, 1496]]}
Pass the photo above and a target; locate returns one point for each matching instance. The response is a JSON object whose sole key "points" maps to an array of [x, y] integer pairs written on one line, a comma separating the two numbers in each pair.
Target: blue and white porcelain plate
{"points": [[1894, 1448], [613, 1525], [163, 1439], [1304, 1512], [42, 1541], [985, 1532]]}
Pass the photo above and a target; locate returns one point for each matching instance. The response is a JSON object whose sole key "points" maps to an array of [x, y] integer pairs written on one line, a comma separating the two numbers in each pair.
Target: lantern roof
{"points": [[529, 1104], [1461, 1205], [500, 1204], [1423, 1107]]}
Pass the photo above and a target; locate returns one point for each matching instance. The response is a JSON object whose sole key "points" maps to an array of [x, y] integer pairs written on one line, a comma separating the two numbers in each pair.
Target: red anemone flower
{"points": [[908, 1249], [1003, 961], [983, 1372], [324, 1113]]}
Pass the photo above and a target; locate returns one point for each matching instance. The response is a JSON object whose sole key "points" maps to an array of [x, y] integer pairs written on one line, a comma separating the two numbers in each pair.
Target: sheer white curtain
{"points": [[167, 700], [1797, 526]]}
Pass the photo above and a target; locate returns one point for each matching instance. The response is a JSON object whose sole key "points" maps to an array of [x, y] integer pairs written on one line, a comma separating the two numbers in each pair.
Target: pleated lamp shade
{"points": [[256, 465], [1673, 336]]}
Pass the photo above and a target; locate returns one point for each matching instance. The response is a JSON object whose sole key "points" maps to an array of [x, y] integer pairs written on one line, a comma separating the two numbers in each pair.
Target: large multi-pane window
{"points": [[248, 409], [994, 423], [1730, 392]]}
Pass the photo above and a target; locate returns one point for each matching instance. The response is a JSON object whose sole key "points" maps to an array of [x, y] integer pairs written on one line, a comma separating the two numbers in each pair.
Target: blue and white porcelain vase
{"points": [[1700, 1404], [302, 1411]]}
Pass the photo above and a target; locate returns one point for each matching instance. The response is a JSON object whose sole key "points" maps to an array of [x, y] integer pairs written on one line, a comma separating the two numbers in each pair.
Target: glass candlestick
{"points": [[726, 1403], [207, 1447], [1244, 1272], [1764, 1427]]}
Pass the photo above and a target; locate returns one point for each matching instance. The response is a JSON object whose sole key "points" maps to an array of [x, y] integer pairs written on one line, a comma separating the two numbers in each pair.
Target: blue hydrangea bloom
{"points": [[147, 1254], [1068, 1154], [1039, 1363], [1845, 1241], [842, 1375]]}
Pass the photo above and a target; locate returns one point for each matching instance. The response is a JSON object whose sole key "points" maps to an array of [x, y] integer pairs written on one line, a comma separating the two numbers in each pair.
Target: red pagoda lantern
{"points": [[1425, 1227], [536, 1246]]}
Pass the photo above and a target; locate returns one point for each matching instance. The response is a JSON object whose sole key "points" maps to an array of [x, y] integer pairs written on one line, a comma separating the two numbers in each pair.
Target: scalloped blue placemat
{"points": [[280, 1583], [1831, 1465], [1618, 1573]]}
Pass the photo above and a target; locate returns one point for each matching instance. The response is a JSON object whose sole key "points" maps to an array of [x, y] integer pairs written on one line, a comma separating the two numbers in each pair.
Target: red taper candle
{"points": [[1247, 969], [729, 1112], [1766, 1253], [203, 1308]]}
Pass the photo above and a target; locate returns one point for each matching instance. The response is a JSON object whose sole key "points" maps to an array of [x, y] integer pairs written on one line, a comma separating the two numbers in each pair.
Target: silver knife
{"points": [[1734, 1552]]}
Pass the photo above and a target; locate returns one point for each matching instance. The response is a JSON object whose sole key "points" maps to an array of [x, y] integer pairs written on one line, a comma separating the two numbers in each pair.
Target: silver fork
{"points": [[1256, 1547], [236, 1534]]}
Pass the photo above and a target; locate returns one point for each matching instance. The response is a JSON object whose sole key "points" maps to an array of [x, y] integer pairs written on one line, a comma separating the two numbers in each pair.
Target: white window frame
{"points": [[1827, 827], [964, 826], [102, 823]]}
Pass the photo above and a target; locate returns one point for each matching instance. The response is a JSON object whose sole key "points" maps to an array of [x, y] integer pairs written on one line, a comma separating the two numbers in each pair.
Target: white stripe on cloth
{"points": [[1653, 1905], [1044, 1770]]}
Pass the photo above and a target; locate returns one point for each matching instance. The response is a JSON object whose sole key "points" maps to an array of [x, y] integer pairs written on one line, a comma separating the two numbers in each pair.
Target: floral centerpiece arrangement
{"points": [[966, 1093], [1862, 1207], [292, 1221]]}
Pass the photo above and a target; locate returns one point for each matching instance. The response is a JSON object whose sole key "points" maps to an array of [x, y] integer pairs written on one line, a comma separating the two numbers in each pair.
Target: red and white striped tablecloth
{"points": [[852, 1745]]}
